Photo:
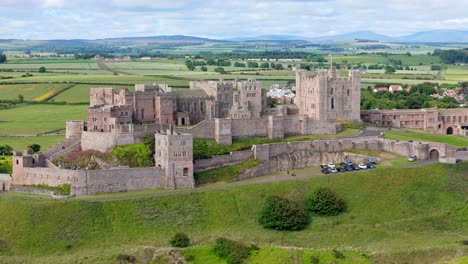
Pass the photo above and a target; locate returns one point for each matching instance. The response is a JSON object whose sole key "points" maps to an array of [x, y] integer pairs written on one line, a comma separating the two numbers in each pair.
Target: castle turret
{"points": [[173, 154]]}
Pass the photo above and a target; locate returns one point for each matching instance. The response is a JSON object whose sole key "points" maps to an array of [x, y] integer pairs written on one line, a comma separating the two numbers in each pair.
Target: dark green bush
{"points": [[180, 240], [232, 251], [282, 214], [338, 254], [315, 259], [324, 201]]}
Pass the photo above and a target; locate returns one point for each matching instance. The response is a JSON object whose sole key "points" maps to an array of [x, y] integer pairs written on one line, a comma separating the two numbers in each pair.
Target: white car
{"points": [[362, 166], [333, 170], [331, 165], [412, 158]]}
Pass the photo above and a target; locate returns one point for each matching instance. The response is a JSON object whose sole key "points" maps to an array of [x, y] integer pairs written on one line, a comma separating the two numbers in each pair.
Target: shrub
{"points": [[180, 240], [338, 254], [315, 259], [232, 251], [324, 201], [282, 214], [124, 258]]}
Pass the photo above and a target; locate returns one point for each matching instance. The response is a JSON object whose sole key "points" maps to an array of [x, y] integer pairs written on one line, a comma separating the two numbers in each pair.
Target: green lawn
{"points": [[34, 119], [410, 212], [21, 143], [451, 140]]}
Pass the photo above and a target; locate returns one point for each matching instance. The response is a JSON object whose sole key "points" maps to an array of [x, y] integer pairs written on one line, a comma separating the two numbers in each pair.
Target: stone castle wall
{"points": [[119, 180], [224, 130], [104, 141], [222, 160]]}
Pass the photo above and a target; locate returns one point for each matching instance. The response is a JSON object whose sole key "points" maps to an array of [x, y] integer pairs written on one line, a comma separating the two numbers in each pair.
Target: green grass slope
{"points": [[392, 212], [449, 139]]}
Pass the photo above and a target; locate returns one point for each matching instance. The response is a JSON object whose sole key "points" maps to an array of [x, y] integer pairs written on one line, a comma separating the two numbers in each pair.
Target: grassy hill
{"points": [[400, 213]]}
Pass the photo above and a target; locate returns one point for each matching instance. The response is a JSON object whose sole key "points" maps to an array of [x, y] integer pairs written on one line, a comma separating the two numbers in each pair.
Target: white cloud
{"points": [[221, 18]]}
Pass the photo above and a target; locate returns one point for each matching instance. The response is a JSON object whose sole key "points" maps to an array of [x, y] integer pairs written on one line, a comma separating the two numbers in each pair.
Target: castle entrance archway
{"points": [[449, 131], [434, 154], [183, 121]]}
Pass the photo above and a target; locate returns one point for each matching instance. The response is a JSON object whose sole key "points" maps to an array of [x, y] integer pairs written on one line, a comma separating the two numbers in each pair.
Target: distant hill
{"points": [[267, 37], [170, 38], [425, 36], [443, 35]]}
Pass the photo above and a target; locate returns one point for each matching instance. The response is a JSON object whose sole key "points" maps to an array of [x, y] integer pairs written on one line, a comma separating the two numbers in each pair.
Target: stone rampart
{"points": [[463, 155], [119, 180], [224, 130], [222, 160], [103, 141], [5, 181]]}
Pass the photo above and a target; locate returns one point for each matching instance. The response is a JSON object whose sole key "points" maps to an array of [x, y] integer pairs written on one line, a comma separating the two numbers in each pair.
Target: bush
{"points": [[324, 201], [180, 240], [232, 251], [315, 259], [338, 254], [282, 214]]}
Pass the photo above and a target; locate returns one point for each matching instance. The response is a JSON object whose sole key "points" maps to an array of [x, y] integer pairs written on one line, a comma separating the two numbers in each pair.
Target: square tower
{"points": [[173, 154], [329, 97]]}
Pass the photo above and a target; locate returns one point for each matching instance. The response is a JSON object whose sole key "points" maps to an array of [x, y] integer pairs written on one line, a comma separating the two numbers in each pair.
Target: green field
{"points": [[5, 164], [31, 92], [451, 140], [80, 93], [403, 214], [39, 118], [22, 143]]}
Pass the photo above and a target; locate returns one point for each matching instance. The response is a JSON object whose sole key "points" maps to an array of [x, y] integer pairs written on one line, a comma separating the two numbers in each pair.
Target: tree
{"points": [[42, 69], [203, 68], [190, 65], [282, 214], [220, 70], [6, 150], [389, 69], [20, 98], [324, 201], [3, 58], [35, 147], [180, 240]]}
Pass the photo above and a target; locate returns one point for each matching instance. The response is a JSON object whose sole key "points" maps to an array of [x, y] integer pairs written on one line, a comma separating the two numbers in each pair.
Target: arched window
{"points": [[347, 92], [142, 113], [332, 103]]}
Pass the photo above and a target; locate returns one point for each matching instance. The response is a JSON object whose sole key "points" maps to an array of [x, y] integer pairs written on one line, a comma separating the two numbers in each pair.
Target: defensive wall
{"points": [[224, 130], [284, 156], [5, 181]]}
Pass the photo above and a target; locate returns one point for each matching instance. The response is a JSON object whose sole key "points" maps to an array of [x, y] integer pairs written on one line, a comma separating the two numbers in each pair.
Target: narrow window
{"points": [[332, 103], [185, 172]]}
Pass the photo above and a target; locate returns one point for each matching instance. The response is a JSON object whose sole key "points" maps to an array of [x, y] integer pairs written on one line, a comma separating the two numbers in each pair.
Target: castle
{"points": [[436, 121], [219, 110], [328, 96]]}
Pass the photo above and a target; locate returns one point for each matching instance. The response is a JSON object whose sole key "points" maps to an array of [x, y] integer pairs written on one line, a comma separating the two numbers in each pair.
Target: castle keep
{"points": [[327, 96]]}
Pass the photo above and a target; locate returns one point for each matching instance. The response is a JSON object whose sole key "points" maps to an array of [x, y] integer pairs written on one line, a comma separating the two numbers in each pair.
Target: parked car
{"points": [[362, 166], [370, 165], [343, 164], [341, 169], [356, 167], [412, 158], [331, 165], [325, 171], [349, 163], [333, 170], [323, 166], [349, 168]]}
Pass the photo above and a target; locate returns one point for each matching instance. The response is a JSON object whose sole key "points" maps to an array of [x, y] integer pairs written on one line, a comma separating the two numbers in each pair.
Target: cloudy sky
{"points": [[93, 19]]}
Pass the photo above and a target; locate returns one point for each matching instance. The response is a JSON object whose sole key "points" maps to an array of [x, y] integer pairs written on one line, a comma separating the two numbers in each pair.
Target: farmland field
{"points": [[31, 92], [80, 93], [39, 118]]}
